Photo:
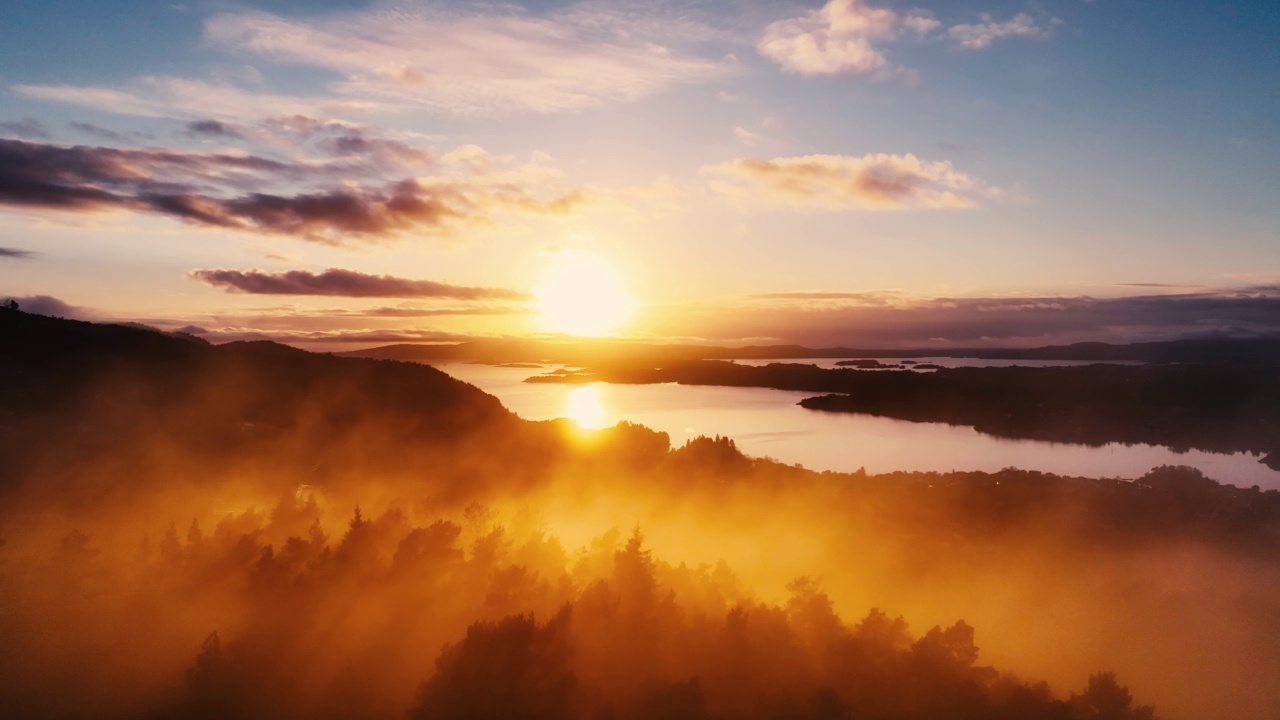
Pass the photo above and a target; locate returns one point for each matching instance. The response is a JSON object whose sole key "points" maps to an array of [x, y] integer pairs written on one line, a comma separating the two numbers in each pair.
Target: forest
{"points": [[248, 530]]}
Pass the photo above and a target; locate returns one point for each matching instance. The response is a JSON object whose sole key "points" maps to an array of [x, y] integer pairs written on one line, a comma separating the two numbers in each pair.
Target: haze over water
{"points": [[767, 422]]}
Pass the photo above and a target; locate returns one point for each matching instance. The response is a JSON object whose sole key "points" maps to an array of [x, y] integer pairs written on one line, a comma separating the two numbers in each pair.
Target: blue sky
{"points": [[750, 171]]}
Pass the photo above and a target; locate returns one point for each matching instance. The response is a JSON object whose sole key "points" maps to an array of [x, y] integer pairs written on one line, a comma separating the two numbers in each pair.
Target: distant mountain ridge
{"points": [[589, 353]]}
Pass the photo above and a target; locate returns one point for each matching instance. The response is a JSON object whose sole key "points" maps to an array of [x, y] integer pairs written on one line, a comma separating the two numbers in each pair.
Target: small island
{"points": [[868, 364]]}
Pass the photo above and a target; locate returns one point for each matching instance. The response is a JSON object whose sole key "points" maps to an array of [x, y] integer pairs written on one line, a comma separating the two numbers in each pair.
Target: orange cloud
{"points": [[842, 182]]}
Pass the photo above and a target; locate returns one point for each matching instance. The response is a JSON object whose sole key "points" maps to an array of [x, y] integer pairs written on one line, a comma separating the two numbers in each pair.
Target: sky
{"points": [[872, 174]]}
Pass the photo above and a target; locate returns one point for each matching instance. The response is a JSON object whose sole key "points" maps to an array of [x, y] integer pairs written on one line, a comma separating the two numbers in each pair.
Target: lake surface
{"points": [[768, 423]]}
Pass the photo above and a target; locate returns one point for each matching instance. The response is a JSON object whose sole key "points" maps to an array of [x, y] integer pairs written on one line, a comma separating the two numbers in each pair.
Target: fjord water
{"points": [[769, 423]]}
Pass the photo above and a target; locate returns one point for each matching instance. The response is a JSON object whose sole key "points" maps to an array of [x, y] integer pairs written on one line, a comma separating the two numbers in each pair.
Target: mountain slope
{"points": [[76, 394]]}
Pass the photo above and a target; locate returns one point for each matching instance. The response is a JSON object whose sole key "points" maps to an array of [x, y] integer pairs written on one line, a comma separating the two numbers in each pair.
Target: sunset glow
{"points": [[582, 295], [675, 360], [585, 407]]}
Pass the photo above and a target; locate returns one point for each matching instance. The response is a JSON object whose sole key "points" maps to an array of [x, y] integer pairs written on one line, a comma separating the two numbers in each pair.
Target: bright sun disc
{"points": [[586, 408], [582, 295]]}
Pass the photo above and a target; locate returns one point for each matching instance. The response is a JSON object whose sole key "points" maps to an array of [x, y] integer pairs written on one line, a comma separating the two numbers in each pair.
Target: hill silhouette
{"points": [[79, 392]]}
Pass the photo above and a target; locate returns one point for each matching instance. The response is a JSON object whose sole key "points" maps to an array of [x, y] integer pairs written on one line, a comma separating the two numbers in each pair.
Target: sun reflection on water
{"points": [[585, 407]]}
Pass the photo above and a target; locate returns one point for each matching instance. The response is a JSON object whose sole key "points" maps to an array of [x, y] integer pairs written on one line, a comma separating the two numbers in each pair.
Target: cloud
{"points": [[842, 182], [57, 176], [980, 35], [336, 282], [305, 126], [16, 254], [162, 96], [388, 152], [26, 128], [841, 36], [327, 337], [99, 132], [212, 129], [491, 60], [920, 23], [255, 194]]}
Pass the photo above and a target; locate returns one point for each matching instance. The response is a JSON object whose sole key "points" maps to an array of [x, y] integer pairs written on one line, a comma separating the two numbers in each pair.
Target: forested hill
{"points": [[78, 392]]}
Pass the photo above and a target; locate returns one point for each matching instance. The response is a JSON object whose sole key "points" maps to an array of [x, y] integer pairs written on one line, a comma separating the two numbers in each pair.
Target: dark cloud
{"points": [[104, 133], [402, 206], [218, 190], [386, 151], [212, 128], [16, 254], [1259, 290], [26, 128], [345, 283], [82, 177]]}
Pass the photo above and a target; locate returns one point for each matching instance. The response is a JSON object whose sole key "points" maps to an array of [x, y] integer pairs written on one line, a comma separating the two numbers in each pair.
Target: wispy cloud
{"points": [[101, 133], [337, 282], [878, 298], [355, 143], [166, 96], [841, 36], [412, 312], [16, 254], [745, 136], [26, 128], [485, 60], [212, 129], [980, 35], [842, 182]]}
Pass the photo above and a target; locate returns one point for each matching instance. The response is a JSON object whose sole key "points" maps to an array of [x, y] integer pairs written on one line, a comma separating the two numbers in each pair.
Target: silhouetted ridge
{"points": [[81, 391]]}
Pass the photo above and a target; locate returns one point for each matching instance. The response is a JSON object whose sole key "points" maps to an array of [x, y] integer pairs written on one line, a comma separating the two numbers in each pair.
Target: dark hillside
{"points": [[77, 393]]}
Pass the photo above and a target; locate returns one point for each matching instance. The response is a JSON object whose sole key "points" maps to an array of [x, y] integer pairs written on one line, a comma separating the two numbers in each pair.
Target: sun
{"points": [[582, 295], [585, 407]]}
